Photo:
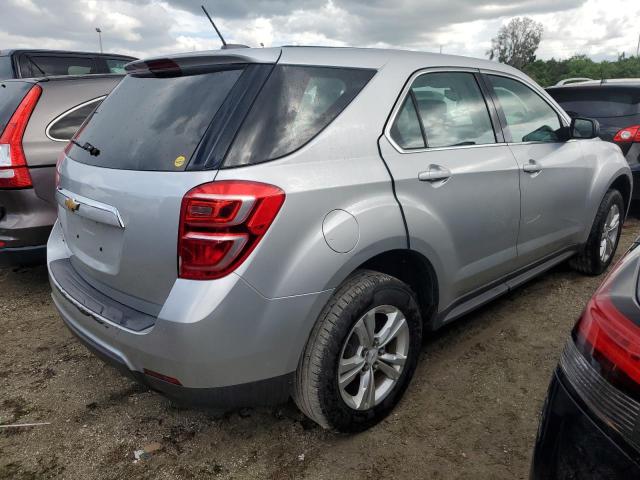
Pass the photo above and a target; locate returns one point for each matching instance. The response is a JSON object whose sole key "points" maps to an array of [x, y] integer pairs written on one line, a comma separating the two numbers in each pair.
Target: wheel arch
{"points": [[623, 184], [414, 269]]}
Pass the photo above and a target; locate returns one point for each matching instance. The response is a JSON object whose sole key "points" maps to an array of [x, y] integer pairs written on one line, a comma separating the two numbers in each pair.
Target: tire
{"points": [[590, 260], [336, 338]]}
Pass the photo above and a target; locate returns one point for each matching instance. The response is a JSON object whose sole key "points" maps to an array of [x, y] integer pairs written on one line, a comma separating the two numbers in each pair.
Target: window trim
{"points": [[564, 119], [406, 90], [68, 112]]}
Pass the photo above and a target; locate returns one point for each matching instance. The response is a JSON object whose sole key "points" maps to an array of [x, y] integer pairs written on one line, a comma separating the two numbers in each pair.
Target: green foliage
{"points": [[550, 72], [517, 42]]}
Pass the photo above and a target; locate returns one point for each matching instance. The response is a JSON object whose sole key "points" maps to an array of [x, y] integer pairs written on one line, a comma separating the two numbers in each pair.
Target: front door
{"points": [[553, 173]]}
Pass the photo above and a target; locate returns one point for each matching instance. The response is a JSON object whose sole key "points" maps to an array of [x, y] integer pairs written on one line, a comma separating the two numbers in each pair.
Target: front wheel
{"points": [[604, 237], [361, 354]]}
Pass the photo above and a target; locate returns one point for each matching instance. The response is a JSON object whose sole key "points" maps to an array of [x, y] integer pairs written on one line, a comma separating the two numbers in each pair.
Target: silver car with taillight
{"points": [[242, 226]]}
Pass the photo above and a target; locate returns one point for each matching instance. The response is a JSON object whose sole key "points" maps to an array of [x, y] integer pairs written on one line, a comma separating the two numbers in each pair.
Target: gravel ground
{"points": [[470, 413]]}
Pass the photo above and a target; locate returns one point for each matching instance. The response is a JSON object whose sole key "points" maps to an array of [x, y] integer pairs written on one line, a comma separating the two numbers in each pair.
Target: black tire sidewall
{"points": [[612, 197], [338, 413]]}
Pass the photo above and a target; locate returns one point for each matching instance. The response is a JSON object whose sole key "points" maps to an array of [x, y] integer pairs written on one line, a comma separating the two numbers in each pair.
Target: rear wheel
{"points": [[604, 237], [361, 354]]}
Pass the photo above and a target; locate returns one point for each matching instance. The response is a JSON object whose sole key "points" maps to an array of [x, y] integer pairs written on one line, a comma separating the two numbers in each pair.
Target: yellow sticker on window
{"points": [[179, 161]]}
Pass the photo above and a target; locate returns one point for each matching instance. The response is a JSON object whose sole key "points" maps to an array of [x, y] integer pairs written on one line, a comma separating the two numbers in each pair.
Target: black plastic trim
{"points": [[94, 303]]}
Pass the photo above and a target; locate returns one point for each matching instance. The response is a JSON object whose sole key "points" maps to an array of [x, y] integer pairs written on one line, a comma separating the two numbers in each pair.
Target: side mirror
{"points": [[584, 128]]}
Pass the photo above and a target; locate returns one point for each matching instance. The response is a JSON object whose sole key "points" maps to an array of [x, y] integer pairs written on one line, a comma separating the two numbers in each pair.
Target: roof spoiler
{"points": [[199, 62]]}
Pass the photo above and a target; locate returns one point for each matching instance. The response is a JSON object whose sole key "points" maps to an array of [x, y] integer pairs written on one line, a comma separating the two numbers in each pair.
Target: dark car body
{"points": [[53, 108], [23, 63], [590, 426], [616, 106]]}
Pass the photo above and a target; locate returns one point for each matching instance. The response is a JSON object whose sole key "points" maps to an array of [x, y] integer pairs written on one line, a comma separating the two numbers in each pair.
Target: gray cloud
{"points": [[145, 27]]}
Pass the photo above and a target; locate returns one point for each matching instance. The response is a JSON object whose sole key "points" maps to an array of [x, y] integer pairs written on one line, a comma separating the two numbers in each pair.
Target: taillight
{"points": [[628, 135], [14, 172], [608, 335], [220, 225]]}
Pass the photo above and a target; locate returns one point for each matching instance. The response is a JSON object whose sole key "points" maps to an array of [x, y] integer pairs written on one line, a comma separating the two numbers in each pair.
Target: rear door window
{"points": [[66, 125], [599, 102], [451, 111], [44, 66], [529, 118], [153, 123], [295, 104]]}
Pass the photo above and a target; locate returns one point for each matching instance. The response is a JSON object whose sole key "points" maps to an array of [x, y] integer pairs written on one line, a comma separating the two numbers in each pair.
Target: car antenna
{"points": [[225, 45]]}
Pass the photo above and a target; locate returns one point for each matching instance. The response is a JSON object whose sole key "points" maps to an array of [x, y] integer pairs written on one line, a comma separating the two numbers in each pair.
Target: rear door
{"points": [[455, 178], [123, 181], [554, 173]]}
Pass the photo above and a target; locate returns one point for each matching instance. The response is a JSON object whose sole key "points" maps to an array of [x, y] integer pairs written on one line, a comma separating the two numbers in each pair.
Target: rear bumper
{"points": [[224, 342], [572, 446], [635, 171]]}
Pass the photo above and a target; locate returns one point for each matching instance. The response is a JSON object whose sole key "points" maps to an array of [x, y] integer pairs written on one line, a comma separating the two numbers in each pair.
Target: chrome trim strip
{"points": [[64, 114], [96, 211]]}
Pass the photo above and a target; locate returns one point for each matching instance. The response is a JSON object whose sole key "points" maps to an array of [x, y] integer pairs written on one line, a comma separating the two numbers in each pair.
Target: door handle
{"points": [[436, 173], [532, 167]]}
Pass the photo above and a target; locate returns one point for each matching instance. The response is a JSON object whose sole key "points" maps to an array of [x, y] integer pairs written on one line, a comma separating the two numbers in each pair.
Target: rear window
{"points": [[295, 104], [152, 123], [116, 65], [44, 66], [11, 94], [6, 70], [597, 102]]}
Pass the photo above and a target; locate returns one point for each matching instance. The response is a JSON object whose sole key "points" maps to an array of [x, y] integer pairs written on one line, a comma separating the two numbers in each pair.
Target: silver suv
{"points": [[242, 226]]}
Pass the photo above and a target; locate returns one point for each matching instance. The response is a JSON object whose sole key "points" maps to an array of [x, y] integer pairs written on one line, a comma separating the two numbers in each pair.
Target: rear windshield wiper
{"points": [[93, 151]]}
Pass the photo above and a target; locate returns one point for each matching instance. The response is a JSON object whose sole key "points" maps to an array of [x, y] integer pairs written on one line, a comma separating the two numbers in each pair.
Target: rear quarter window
{"points": [[599, 102], [62, 128], [295, 104]]}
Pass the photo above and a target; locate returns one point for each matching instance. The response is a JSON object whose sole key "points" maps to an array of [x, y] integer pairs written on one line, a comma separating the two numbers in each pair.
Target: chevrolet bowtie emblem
{"points": [[71, 204]]}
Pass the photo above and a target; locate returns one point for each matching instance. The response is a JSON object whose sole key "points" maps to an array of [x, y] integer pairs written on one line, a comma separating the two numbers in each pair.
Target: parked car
{"points": [[37, 119], [296, 228], [46, 63], [616, 106], [588, 428]]}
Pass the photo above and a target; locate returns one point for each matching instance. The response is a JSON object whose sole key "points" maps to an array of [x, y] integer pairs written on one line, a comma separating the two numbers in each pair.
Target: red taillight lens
{"points": [[608, 336], [220, 225], [14, 172], [628, 135]]}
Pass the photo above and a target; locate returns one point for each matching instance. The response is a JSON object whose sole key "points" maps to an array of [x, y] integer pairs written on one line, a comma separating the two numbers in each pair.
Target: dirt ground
{"points": [[470, 413]]}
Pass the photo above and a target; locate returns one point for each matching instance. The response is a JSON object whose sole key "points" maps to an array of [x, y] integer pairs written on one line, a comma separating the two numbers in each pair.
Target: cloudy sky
{"points": [[600, 29]]}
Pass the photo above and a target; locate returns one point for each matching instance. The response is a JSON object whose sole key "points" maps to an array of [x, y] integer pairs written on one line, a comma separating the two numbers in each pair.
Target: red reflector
{"points": [[2, 244], [13, 164], [628, 135], [220, 225], [162, 377]]}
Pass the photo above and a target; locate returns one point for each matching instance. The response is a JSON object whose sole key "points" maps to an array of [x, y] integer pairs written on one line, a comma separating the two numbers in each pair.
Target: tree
{"points": [[517, 42]]}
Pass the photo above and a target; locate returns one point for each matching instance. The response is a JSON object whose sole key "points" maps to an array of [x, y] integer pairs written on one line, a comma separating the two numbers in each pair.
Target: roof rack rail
{"points": [[568, 81]]}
